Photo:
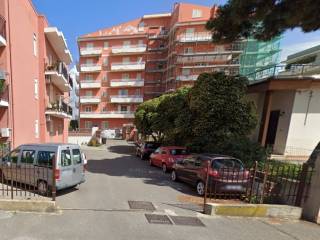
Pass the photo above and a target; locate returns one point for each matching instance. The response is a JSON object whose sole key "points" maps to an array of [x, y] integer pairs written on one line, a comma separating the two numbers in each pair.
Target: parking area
{"points": [[99, 208]]}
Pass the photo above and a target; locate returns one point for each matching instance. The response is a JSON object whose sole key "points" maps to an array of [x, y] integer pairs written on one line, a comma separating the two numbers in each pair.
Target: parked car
{"points": [[32, 165], [165, 157], [227, 174], [145, 149]]}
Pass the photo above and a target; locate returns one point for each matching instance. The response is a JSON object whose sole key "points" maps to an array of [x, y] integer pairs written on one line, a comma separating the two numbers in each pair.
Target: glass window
{"points": [[28, 156], [14, 155], [124, 108], [179, 152], [156, 151], [65, 158], [88, 124], [46, 158], [104, 124], [196, 13], [76, 154], [123, 92], [227, 163], [106, 45]]}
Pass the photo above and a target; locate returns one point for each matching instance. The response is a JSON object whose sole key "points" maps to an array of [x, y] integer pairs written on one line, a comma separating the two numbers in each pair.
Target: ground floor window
{"points": [[104, 124], [88, 124]]}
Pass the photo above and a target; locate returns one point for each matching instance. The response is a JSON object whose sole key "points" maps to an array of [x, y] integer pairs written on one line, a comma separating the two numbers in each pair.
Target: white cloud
{"points": [[297, 47]]}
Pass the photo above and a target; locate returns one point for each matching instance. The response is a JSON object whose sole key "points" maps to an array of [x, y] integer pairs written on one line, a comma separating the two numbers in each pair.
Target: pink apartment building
{"points": [[124, 65], [34, 77]]}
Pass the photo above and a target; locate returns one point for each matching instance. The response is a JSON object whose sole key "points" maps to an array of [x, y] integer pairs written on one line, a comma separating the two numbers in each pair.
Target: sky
{"points": [[77, 17]]}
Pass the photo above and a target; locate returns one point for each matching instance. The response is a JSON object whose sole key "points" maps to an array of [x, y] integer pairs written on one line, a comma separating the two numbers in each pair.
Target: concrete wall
{"points": [[305, 123]]}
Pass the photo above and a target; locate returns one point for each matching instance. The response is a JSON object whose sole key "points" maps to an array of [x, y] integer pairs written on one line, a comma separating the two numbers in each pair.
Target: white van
{"points": [[32, 165]]}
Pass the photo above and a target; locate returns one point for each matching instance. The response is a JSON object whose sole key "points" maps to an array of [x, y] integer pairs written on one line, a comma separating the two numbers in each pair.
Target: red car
{"points": [[165, 157]]}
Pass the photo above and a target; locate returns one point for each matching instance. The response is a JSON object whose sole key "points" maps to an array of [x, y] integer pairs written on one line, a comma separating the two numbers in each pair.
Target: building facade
{"points": [[288, 105], [124, 65], [34, 77]]}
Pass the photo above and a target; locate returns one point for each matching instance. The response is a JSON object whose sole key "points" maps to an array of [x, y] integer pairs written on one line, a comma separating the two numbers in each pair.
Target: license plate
{"points": [[233, 187]]}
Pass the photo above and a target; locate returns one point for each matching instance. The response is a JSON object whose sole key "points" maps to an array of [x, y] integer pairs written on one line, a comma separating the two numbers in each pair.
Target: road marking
{"points": [[170, 212]]}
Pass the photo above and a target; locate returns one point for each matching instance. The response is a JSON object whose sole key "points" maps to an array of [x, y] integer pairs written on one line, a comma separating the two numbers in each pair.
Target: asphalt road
{"points": [[99, 208]]}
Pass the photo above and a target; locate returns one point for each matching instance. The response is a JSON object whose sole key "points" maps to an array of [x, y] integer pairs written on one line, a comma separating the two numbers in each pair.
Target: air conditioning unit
{"points": [[5, 132]]}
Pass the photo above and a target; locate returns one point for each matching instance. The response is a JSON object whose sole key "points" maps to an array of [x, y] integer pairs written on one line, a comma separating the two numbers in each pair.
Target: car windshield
{"points": [[178, 152], [152, 145], [227, 163]]}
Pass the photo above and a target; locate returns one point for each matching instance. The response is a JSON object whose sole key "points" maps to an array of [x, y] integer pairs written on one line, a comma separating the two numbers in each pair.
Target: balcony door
{"points": [[126, 44], [123, 92], [126, 60], [89, 46]]}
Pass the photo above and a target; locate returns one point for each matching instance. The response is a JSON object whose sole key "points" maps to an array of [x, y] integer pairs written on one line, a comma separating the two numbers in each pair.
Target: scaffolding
{"points": [[259, 55]]}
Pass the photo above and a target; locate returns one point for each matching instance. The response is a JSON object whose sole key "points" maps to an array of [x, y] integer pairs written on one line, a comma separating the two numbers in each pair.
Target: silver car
{"points": [[32, 165]]}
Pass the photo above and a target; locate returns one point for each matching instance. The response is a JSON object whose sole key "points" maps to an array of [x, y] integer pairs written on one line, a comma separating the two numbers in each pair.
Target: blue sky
{"points": [[79, 17]]}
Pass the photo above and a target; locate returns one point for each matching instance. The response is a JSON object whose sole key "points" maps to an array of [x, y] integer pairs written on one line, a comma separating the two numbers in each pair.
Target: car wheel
{"points": [[200, 188], [42, 188], [174, 176], [164, 168]]}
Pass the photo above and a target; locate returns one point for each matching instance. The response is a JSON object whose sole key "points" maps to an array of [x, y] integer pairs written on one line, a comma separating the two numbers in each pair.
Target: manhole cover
{"points": [[187, 221], [140, 205], [158, 219]]}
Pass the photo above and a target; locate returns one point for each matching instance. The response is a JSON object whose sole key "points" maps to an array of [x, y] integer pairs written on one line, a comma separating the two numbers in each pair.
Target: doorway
{"points": [[272, 128]]}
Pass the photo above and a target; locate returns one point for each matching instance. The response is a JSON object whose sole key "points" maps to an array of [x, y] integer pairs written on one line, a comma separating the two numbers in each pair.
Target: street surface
{"points": [[99, 208]]}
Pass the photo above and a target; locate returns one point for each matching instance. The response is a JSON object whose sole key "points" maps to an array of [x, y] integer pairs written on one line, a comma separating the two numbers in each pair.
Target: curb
{"points": [[28, 206], [253, 210]]}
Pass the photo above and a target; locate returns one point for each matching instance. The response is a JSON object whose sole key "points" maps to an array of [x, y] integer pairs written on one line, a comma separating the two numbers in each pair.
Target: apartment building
{"points": [[124, 65], [34, 79]]}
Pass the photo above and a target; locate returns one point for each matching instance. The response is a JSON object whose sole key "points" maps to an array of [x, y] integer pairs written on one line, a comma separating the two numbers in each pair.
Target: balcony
{"points": [[195, 37], [3, 41], [4, 91], [127, 83], [90, 99], [58, 43], [91, 67], [90, 84], [59, 109], [161, 35], [129, 49], [57, 73], [187, 78], [209, 59], [110, 114], [90, 51], [128, 66], [126, 99]]}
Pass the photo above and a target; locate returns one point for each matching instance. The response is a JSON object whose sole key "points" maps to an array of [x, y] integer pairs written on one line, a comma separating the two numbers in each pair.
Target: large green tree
{"points": [[263, 19], [220, 110]]}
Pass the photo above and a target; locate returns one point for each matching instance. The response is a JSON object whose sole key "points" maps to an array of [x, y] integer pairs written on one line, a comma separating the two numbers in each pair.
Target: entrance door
{"points": [[272, 128]]}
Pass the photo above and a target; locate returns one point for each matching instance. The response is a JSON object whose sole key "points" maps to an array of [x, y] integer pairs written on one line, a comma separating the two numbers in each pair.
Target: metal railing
{"points": [[109, 112], [60, 106], [28, 178], [127, 63], [129, 47], [282, 70], [60, 68], [199, 36], [126, 96], [127, 80], [3, 27]]}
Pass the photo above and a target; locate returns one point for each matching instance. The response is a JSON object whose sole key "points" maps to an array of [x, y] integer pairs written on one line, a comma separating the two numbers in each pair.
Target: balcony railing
{"points": [[2, 29], [126, 98], [91, 51], [90, 99], [90, 83], [162, 34], [139, 48], [59, 107], [108, 114], [60, 68], [128, 66], [195, 37], [127, 82], [90, 67], [187, 77], [285, 71], [212, 59]]}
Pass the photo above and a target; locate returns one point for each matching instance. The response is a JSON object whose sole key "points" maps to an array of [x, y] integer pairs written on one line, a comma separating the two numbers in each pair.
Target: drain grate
{"points": [[187, 221], [141, 205], [158, 219]]}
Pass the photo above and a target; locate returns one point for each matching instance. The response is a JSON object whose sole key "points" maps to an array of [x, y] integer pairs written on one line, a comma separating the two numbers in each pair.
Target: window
{"points": [[35, 47], [89, 61], [190, 31], [139, 76], [126, 43], [125, 76], [105, 93], [139, 60], [76, 156], [138, 92], [123, 92], [140, 42], [196, 13], [88, 109], [36, 128], [105, 61], [227, 163], [157, 151], [88, 124], [65, 158], [89, 77], [88, 93], [126, 60], [178, 152], [51, 127], [106, 45], [90, 46], [14, 155], [46, 158], [104, 109], [36, 89], [27, 156], [123, 108], [188, 50], [104, 124], [186, 72]]}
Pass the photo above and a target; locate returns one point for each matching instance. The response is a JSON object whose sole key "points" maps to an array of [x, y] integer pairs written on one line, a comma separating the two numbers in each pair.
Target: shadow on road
{"points": [[122, 149]]}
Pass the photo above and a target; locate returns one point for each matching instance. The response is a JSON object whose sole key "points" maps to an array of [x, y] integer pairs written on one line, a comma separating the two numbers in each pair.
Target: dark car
{"points": [[226, 174], [145, 149]]}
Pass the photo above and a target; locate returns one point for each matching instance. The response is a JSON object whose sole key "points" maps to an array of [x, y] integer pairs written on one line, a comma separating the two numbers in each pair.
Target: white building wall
{"points": [[304, 131]]}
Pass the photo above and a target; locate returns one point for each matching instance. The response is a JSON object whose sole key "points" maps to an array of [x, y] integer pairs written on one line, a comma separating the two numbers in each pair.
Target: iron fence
{"points": [[27, 180], [274, 182]]}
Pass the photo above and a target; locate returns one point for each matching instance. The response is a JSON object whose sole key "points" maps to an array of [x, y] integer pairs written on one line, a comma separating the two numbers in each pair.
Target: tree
{"points": [[220, 110], [263, 20]]}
